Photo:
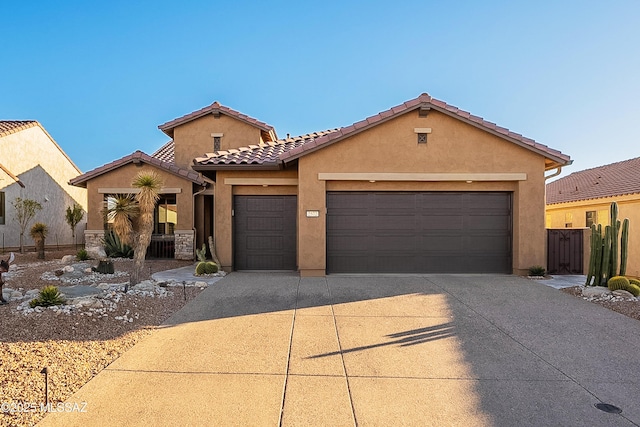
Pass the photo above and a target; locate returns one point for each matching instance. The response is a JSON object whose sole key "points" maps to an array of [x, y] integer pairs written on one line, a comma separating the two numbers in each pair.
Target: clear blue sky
{"points": [[101, 76]]}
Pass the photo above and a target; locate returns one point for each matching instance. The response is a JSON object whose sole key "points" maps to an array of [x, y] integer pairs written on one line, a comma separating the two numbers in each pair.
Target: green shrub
{"points": [[536, 270], [82, 255], [201, 268], [114, 247], [48, 296], [211, 267]]}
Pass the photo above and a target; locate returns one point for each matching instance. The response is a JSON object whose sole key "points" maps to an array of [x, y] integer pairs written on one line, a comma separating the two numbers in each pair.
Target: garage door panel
{"points": [[428, 232], [264, 229]]}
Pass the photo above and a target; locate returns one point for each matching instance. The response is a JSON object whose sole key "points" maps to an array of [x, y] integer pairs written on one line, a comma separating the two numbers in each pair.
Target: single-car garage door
{"points": [[264, 232], [419, 232]]}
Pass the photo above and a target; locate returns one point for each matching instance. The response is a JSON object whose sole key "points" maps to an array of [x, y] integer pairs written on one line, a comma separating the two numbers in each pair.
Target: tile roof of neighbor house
{"points": [[139, 157], [215, 108], [12, 126], [616, 179], [270, 155]]}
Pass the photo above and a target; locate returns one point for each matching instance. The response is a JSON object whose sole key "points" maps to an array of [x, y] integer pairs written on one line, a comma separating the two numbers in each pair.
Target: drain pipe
{"points": [[556, 173]]}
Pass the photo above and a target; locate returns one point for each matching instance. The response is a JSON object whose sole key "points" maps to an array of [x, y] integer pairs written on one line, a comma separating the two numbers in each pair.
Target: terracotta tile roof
{"points": [[166, 153], [217, 108], [283, 151], [8, 127], [612, 180], [425, 101], [139, 157], [260, 154]]}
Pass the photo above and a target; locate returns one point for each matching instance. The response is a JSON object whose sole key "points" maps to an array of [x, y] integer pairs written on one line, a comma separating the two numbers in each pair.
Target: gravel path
{"points": [[76, 346]]}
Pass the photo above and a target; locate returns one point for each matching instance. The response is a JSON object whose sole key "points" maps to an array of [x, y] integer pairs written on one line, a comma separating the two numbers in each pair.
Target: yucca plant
{"points": [[39, 232], [48, 296], [149, 183]]}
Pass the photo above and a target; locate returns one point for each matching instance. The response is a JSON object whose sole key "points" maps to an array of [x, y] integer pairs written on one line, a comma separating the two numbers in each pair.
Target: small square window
{"points": [[590, 218], [216, 143], [422, 138]]}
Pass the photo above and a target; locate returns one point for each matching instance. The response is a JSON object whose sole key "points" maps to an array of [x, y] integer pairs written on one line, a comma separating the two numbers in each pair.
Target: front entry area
{"points": [[264, 230], [419, 232]]}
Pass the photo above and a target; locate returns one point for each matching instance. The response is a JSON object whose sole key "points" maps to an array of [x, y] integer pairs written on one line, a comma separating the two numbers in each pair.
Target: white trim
{"points": [[261, 181], [123, 190], [217, 135], [422, 130], [422, 177]]}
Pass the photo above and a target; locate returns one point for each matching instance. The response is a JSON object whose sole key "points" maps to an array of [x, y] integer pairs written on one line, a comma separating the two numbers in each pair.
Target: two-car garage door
{"points": [[382, 232], [419, 232]]}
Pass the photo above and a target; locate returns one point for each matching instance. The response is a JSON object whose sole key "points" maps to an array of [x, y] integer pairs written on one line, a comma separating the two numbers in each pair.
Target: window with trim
{"points": [[590, 218], [166, 215], [2, 208]]}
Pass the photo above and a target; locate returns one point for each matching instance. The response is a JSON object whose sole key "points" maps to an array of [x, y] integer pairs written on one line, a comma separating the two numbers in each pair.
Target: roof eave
{"points": [[261, 166]]}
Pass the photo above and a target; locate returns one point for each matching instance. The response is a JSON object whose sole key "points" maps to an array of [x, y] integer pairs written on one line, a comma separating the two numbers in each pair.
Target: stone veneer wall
{"points": [[184, 244], [93, 243]]}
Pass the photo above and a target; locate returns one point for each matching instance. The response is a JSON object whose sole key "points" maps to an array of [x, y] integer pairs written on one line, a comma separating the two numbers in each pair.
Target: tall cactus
{"points": [[607, 248], [615, 227], [624, 246]]}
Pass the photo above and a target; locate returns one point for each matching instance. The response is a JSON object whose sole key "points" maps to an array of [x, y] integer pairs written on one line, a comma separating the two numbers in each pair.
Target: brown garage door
{"points": [[426, 232], [264, 232]]}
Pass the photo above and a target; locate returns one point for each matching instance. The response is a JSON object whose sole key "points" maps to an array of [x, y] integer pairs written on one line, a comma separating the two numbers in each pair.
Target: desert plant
{"points": [[634, 282], [121, 210], [634, 289], [201, 254], [201, 268], [114, 247], [618, 282], [149, 184], [25, 210], [48, 296], [211, 267], [73, 216], [536, 270], [82, 255], [39, 232], [608, 252]]}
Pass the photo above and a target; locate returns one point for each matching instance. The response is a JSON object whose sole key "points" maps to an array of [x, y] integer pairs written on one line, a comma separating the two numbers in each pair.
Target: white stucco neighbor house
{"points": [[33, 166]]}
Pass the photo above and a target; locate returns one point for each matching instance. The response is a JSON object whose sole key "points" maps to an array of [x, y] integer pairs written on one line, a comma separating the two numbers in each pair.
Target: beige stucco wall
{"points": [[391, 147], [628, 207], [193, 139], [45, 171]]}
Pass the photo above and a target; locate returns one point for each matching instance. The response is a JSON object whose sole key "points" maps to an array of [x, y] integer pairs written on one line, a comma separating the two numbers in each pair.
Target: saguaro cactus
{"points": [[624, 246]]}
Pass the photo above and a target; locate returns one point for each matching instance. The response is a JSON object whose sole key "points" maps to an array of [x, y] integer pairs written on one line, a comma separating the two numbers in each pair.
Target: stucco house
{"points": [[421, 187], [33, 166], [583, 198]]}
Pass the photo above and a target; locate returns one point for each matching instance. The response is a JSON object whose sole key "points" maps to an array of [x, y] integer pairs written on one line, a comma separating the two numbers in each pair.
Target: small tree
{"points": [[73, 216], [39, 233], [149, 184], [25, 210]]}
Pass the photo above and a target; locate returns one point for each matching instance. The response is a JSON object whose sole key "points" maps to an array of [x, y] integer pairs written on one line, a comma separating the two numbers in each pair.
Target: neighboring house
{"points": [[33, 166], [423, 187], [584, 198]]}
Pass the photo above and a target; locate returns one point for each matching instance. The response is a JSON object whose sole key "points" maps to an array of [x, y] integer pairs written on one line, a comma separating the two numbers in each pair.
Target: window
{"points": [[2, 208], [217, 140], [166, 214], [590, 218]]}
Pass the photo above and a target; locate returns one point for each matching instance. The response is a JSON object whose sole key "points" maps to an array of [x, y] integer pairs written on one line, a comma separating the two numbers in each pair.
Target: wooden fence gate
{"points": [[565, 251]]}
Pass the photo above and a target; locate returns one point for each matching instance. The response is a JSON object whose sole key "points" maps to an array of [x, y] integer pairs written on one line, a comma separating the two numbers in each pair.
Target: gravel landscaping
{"points": [[77, 340]]}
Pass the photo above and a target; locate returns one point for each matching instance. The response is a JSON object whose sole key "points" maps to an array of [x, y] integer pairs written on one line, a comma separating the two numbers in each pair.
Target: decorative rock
{"points": [[594, 291], [67, 269], [58, 273], [96, 253], [622, 293], [68, 259]]}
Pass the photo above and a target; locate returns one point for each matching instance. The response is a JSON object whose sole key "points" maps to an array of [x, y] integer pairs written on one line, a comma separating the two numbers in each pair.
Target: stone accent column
{"points": [[184, 245], [93, 243]]}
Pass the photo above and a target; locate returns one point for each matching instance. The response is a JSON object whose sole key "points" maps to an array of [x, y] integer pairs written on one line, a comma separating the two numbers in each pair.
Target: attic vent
{"points": [[422, 134], [217, 139]]}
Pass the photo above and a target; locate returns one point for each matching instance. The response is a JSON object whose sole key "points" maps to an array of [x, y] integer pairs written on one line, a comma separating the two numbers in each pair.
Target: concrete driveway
{"points": [[469, 350]]}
